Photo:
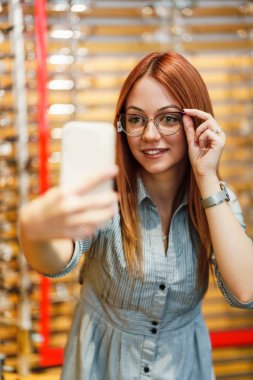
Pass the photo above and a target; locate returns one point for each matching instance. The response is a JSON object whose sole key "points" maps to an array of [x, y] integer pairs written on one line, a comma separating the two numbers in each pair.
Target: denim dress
{"points": [[130, 328]]}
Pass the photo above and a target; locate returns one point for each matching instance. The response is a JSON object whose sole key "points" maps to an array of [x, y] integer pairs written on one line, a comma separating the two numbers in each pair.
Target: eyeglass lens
{"points": [[167, 123]]}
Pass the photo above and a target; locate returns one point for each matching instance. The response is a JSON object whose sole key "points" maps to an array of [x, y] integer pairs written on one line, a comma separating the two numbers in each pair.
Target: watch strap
{"points": [[216, 199]]}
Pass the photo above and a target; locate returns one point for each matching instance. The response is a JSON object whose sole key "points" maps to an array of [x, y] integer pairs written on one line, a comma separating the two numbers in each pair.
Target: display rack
{"points": [[75, 60], [20, 120]]}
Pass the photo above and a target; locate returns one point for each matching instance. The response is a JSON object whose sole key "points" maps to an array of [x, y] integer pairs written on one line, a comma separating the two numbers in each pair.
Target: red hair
{"points": [[186, 85]]}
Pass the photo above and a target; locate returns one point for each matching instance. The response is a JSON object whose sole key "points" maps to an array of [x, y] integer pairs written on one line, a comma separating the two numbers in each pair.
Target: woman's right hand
{"points": [[69, 213]]}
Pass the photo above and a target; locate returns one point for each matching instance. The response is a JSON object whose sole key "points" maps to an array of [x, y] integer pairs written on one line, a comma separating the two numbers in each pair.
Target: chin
{"points": [[156, 169], [162, 168]]}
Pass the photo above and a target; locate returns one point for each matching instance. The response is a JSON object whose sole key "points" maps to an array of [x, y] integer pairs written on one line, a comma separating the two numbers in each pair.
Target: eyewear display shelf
{"points": [[74, 64]]}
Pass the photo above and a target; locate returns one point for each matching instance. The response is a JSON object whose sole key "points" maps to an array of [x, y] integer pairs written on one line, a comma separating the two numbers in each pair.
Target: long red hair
{"points": [[185, 84]]}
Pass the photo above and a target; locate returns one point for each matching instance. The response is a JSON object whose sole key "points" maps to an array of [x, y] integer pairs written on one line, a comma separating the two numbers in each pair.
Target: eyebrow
{"points": [[159, 110]]}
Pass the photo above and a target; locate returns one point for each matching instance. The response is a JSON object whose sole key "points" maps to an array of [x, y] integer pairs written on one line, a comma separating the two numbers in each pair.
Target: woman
{"points": [[146, 270]]}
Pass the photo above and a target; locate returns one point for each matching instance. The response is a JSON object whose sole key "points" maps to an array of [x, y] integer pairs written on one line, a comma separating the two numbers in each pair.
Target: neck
{"points": [[164, 187]]}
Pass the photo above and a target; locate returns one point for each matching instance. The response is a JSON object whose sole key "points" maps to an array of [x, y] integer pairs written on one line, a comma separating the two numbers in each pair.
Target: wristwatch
{"points": [[216, 199]]}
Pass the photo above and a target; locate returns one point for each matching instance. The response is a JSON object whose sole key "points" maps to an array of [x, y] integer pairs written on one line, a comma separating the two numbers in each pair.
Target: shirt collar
{"points": [[143, 194]]}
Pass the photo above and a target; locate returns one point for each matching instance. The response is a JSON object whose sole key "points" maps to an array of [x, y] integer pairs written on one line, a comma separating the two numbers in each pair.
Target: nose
{"points": [[151, 132]]}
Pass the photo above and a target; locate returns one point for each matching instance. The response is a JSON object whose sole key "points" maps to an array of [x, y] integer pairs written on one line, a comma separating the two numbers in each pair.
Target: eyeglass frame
{"points": [[146, 120]]}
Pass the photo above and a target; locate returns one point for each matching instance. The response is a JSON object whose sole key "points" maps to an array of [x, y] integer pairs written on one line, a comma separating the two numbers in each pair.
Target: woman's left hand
{"points": [[205, 144]]}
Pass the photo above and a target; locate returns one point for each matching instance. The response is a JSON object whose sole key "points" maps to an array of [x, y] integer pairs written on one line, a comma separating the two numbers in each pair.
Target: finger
{"points": [[92, 219], [208, 124], [95, 180], [78, 204], [189, 129], [209, 139], [198, 113], [80, 232]]}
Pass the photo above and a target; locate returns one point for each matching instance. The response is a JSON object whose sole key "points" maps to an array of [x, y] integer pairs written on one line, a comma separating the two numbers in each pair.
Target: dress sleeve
{"points": [[229, 296], [80, 247]]}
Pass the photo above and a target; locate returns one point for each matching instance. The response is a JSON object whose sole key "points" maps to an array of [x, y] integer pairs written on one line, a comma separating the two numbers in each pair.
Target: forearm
{"points": [[45, 256], [233, 249], [49, 224]]}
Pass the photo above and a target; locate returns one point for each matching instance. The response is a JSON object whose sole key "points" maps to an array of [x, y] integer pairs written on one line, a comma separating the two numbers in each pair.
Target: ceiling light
{"points": [[61, 34], [78, 8], [81, 6], [61, 84], [61, 59], [61, 109]]}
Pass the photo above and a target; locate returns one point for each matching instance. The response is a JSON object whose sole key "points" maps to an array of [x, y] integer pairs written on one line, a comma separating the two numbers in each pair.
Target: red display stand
{"points": [[232, 338], [49, 356]]}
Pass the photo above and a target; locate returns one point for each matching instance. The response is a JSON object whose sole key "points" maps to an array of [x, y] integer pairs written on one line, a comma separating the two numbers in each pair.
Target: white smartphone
{"points": [[87, 149]]}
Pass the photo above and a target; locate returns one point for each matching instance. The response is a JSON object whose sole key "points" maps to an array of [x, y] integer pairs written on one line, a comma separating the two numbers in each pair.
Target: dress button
{"points": [[154, 323], [162, 286], [146, 369], [154, 330]]}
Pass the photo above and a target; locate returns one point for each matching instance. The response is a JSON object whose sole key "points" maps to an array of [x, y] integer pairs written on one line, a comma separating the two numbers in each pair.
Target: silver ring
{"points": [[218, 130]]}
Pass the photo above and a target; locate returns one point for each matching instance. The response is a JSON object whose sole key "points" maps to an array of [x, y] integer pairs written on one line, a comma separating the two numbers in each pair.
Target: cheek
{"points": [[180, 142], [132, 143]]}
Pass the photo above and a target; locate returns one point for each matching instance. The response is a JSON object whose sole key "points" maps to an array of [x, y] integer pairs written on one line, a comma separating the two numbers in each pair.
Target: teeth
{"points": [[154, 151]]}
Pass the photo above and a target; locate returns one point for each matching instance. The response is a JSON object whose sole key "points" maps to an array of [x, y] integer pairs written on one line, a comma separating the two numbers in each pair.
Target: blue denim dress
{"points": [[128, 328]]}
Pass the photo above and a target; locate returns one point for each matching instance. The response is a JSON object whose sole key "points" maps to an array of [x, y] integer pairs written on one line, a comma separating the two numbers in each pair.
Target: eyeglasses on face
{"points": [[167, 123]]}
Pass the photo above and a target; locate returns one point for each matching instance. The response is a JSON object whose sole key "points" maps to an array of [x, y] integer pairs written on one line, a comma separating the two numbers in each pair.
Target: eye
{"points": [[170, 119], [134, 119]]}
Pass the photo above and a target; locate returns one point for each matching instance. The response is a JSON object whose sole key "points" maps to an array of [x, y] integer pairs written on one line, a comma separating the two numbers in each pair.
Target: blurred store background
{"points": [[66, 60]]}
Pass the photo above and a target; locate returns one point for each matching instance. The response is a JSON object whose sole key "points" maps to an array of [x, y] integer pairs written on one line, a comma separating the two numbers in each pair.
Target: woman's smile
{"points": [[154, 153]]}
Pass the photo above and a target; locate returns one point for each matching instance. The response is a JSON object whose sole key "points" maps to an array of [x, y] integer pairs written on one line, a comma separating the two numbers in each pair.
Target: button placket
{"points": [[148, 357], [158, 303]]}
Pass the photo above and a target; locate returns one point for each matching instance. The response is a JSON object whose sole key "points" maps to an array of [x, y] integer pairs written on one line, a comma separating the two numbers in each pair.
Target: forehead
{"points": [[147, 93]]}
